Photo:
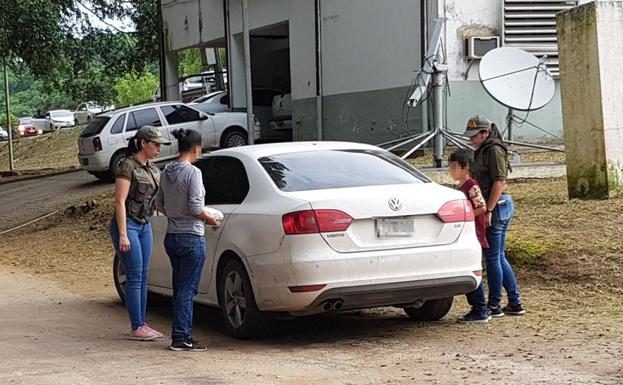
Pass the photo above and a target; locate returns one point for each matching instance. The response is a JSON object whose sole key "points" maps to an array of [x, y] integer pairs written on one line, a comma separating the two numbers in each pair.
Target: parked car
{"points": [[58, 119], [85, 112], [3, 134], [25, 127], [273, 109], [212, 103], [310, 228], [102, 144]]}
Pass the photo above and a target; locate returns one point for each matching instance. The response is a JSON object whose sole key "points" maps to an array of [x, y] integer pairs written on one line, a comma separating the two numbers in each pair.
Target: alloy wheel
{"points": [[235, 300]]}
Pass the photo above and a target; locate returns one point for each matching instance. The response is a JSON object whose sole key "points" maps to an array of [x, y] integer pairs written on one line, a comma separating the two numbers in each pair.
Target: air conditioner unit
{"points": [[476, 47]]}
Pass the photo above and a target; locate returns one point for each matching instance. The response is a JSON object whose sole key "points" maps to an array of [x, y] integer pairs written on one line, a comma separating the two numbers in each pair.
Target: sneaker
{"points": [[142, 334], [156, 332], [517, 309], [189, 346], [473, 317], [496, 311]]}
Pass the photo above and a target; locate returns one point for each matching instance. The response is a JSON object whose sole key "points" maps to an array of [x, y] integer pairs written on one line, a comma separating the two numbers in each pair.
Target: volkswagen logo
{"points": [[395, 204]]}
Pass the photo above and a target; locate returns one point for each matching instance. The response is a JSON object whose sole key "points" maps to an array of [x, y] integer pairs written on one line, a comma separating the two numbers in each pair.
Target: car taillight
{"points": [[316, 221], [97, 144], [456, 211]]}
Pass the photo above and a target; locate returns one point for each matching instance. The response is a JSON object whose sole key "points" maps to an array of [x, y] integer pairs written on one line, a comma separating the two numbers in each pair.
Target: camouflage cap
{"points": [[152, 134], [475, 124]]}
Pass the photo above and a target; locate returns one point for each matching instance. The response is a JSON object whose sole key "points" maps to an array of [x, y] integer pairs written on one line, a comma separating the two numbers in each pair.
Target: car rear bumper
{"points": [[97, 162], [363, 279]]}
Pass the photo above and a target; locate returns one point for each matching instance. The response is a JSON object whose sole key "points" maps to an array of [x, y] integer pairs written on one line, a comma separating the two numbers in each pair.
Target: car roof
{"points": [[111, 113], [262, 150]]}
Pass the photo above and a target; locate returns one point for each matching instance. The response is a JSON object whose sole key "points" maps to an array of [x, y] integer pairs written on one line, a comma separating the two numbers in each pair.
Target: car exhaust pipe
{"points": [[338, 305], [327, 306]]}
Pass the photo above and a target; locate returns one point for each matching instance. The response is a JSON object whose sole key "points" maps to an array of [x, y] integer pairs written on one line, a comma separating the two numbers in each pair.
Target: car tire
{"points": [[240, 314], [88, 119], [115, 161], [118, 273], [104, 176], [432, 310], [234, 138]]}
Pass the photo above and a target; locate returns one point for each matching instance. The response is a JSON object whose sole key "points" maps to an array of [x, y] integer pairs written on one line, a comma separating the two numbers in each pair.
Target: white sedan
{"points": [[318, 227]]}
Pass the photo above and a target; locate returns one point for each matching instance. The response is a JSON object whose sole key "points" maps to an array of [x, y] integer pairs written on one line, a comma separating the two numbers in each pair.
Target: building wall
{"points": [[371, 50], [479, 18]]}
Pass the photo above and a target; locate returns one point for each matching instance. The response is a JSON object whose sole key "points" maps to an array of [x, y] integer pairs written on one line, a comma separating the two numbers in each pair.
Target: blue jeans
{"points": [[187, 253], [499, 271], [136, 265]]}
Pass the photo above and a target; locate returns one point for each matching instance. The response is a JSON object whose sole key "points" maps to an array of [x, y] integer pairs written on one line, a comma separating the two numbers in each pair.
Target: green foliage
{"points": [[190, 61], [132, 89], [523, 250], [3, 121]]}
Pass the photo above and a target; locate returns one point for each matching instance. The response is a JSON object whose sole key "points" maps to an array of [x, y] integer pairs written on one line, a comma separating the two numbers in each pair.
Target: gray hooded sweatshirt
{"points": [[182, 195]]}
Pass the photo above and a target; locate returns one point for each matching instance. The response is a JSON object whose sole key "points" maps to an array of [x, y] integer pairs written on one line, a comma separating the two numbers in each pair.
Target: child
{"points": [[460, 161]]}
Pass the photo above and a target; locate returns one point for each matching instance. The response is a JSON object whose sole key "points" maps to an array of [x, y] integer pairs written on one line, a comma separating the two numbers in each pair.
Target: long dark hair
{"points": [[495, 134], [186, 139], [135, 145]]}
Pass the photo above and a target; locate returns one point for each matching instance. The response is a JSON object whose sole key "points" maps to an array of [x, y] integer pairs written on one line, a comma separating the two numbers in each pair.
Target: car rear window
{"points": [[95, 127], [318, 170]]}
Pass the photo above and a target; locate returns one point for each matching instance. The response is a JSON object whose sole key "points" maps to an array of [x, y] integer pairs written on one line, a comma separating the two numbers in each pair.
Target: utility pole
{"points": [[8, 113]]}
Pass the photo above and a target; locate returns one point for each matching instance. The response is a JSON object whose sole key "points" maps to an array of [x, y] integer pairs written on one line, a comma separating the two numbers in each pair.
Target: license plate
{"points": [[394, 227]]}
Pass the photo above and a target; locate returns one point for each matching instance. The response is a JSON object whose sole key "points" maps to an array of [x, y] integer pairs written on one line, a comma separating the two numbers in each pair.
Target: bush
{"points": [[522, 250]]}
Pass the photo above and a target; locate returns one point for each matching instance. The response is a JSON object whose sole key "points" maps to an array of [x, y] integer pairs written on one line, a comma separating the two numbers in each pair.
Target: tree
{"points": [[132, 89]]}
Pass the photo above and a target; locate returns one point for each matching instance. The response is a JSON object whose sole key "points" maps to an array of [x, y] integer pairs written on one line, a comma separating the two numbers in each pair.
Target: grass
{"points": [[57, 149], [526, 156]]}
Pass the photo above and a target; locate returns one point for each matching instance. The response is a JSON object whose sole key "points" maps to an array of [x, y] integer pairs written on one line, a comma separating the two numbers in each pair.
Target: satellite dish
{"points": [[516, 79]]}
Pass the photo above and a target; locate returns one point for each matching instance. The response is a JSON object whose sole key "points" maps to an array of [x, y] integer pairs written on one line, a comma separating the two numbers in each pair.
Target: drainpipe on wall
{"points": [[319, 91], [247, 68], [230, 79]]}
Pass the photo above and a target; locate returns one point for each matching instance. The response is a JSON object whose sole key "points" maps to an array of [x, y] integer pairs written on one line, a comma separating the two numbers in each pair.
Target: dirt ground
{"points": [[62, 322]]}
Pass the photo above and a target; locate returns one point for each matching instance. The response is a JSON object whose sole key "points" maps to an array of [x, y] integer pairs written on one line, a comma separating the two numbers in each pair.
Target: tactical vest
{"points": [[139, 205], [480, 167]]}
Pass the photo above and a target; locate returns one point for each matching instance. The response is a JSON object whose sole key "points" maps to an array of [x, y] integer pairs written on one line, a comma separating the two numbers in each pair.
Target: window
{"points": [[176, 114], [117, 128], [224, 179], [225, 100], [95, 127], [138, 119], [317, 170]]}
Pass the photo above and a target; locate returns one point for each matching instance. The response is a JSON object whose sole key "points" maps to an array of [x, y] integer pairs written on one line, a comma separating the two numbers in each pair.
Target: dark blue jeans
{"points": [[499, 271], [187, 253], [476, 299], [136, 265]]}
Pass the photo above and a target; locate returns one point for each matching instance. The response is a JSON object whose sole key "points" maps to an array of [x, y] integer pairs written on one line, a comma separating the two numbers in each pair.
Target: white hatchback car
{"points": [[102, 145], [318, 227]]}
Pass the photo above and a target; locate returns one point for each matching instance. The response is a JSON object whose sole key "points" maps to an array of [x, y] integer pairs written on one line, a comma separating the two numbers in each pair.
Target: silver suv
{"points": [[102, 145]]}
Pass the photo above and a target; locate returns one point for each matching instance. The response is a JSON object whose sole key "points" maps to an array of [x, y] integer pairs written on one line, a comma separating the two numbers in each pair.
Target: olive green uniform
{"points": [[144, 182]]}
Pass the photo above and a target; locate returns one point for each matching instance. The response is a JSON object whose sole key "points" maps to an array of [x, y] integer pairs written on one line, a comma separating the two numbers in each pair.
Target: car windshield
{"points": [[61, 114], [317, 170], [24, 121], [95, 127]]}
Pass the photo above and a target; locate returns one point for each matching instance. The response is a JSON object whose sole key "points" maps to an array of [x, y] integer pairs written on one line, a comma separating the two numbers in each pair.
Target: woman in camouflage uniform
{"points": [[490, 169], [136, 183]]}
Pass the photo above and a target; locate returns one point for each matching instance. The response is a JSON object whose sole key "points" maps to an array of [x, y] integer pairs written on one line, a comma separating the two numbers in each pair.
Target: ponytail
{"points": [[134, 146], [495, 133]]}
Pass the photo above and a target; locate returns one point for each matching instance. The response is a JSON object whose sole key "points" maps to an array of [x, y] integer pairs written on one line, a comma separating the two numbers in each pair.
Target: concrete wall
{"points": [[591, 59]]}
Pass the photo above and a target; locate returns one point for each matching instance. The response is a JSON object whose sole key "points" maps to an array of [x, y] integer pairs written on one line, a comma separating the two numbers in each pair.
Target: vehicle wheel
{"points": [[240, 313], [118, 273], [115, 162], [432, 310], [88, 119], [76, 123], [234, 139]]}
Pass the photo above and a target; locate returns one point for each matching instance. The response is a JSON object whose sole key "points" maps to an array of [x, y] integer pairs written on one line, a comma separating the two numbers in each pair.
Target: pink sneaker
{"points": [[142, 334], [156, 332]]}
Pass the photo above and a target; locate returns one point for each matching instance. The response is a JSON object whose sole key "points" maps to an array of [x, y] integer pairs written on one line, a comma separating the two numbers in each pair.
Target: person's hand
{"points": [[488, 218], [124, 243], [212, 220]]}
